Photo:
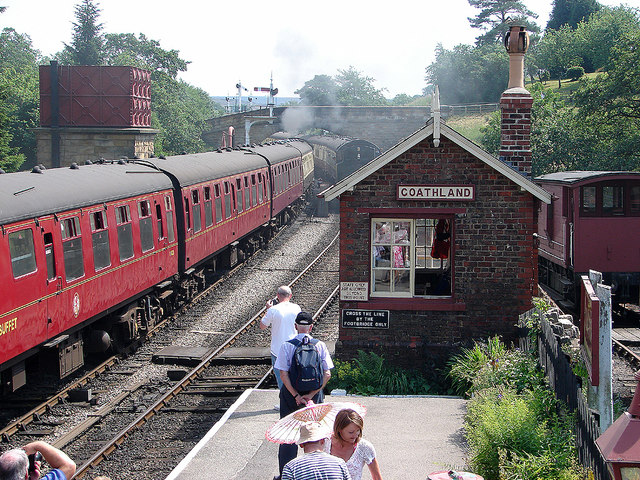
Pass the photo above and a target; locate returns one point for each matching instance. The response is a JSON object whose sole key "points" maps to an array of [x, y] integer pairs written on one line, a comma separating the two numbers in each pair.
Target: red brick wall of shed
{"points": [[495, 264]]}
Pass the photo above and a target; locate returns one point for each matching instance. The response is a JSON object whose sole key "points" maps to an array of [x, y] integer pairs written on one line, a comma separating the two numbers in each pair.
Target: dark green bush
{"points": [[574, 73], [369, 374]]}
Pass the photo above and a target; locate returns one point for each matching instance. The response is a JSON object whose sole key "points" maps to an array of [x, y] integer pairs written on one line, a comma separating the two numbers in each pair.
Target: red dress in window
{"points": [[442, 242]]}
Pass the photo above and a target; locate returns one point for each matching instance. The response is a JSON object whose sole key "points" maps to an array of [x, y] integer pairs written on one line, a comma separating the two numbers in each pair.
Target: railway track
{"points": [[153, 410]]}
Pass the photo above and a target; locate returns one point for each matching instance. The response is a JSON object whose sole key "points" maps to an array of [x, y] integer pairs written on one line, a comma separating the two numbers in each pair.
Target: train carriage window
{"points": [[634, 200], [247, 193], [100, 240], [187, 213], [254, 191], [208, 212], [169, 209], [197, 211], [240, 196], [72, 248], [146, 225], [613, 200], [260, 188], [218, 201], [588, 200], [267, 186], [159, 222], [227, 200], [22, 250], [49, 256], [125, 233], [410, 257]]}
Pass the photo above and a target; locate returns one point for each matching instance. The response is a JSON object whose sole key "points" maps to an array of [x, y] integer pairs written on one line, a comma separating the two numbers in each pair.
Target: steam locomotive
{"points": [[91, 256]]}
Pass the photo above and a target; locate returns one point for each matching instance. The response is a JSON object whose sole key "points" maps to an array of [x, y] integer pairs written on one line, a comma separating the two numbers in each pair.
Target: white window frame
{"points": [[412, 259]]}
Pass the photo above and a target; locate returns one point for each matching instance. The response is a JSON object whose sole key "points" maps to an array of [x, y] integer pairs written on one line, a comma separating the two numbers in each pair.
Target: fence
{"points": [[567, 388]]}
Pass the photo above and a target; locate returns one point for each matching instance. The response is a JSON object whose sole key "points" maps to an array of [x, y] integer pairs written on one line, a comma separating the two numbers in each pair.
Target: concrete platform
{"points": [[413, 436]]}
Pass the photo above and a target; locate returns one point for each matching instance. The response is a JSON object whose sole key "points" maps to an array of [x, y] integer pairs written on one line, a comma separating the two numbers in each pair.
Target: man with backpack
{"points": [[305, 368]]}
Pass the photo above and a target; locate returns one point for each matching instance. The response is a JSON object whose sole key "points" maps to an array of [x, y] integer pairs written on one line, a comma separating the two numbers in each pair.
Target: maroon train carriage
{"points": [[593, 222], [91, 256], [305, 150], [77, 244]]}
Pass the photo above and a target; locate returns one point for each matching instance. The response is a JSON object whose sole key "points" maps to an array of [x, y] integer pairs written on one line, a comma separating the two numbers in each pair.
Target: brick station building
{"points": [[437, 238]]}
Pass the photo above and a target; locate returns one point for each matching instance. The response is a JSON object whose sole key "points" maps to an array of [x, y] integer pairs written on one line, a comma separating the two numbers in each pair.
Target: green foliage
{"points": [[369, 374], [574, 73], [86, 47], [19, 83], [571, 12], [496, 16], [348, 87], [469, 74], [464, 367]]}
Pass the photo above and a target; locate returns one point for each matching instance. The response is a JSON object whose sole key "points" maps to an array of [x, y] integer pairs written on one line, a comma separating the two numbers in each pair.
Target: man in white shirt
{"points": [[281, 316]]}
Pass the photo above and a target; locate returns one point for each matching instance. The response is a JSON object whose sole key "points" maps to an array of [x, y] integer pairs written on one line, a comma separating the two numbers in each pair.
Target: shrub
{"points": [[464, 367], [574, 73], [369, 374], [514, 369]]}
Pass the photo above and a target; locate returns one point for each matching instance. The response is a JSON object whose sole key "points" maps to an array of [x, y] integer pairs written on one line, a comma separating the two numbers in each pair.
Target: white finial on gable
{"points": [[435, 114]]}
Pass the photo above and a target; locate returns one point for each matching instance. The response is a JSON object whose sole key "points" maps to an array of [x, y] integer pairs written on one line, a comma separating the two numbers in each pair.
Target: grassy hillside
{"points": [[469, 126]]}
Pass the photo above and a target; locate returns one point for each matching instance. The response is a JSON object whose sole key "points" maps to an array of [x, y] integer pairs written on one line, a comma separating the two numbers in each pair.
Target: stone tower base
{"points": [[79, 144]]}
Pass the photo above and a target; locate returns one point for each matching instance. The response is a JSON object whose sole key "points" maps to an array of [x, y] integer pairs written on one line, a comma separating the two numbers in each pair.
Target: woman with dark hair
{"points": [[346, 442]]}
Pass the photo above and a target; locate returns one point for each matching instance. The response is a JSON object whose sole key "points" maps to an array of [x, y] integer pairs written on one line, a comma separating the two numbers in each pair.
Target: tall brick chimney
{"points": [[515, 105]]}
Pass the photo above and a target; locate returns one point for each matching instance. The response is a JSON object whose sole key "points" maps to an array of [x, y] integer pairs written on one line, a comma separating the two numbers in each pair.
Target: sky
{"points": [[249, 41]]}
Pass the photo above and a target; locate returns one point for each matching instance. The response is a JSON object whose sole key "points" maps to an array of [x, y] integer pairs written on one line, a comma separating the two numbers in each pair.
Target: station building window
{"points": [[146, 225], [411, 257], [23, 258], [72, 248], [100, 240], [125, 234]]}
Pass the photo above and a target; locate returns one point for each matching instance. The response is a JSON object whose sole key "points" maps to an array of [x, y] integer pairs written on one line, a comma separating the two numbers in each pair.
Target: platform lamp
{"points": [[620, 443]]}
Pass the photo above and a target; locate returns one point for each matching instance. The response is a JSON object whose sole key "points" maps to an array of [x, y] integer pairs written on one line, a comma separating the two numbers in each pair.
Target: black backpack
{"points": [[306, 371]]}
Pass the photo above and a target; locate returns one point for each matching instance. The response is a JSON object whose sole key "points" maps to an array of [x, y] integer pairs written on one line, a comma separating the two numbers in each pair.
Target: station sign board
{"points": [[436, 192], [590, 330], [354, 291], [365, 318]]}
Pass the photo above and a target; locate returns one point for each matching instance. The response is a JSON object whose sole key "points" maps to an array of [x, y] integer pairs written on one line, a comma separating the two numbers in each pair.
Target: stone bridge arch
{"points": [[383, 126]]}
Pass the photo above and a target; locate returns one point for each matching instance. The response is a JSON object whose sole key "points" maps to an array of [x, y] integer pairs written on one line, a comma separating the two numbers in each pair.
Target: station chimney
{"points": [[515, 105]]}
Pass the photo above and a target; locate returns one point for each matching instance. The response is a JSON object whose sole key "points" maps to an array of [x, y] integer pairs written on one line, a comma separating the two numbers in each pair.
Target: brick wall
{"points": [[495, 258], [515, 130]]}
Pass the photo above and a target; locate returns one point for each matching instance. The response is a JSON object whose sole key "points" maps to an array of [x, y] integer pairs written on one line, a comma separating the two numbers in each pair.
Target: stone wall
{"points": [[81, 144]]}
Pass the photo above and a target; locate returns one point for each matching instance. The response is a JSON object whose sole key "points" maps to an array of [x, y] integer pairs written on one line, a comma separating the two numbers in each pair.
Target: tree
{"points": [[320, 90], [596, 37], [10, 158], [87, 44], [557, 51], [19, 79], [355, 89], [496, 16], [571, 12], [126, 49], [469, 74]]}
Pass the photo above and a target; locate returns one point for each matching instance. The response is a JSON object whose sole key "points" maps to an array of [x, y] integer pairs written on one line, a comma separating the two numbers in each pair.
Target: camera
{"points": [[275, 301], [33, 458]]}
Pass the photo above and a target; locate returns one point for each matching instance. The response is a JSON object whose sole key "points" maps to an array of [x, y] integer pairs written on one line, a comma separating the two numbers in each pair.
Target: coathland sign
{"points": [[436, 192]]}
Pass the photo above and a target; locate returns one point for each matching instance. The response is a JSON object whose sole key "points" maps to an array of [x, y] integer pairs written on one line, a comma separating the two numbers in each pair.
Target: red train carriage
{"points": [[593, 223], [91, 256], [76, 245]]}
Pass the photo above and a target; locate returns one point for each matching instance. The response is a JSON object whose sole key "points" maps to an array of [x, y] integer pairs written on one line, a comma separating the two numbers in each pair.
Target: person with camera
{"points": [[305, 366], [281, 316], [24, 463]]}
